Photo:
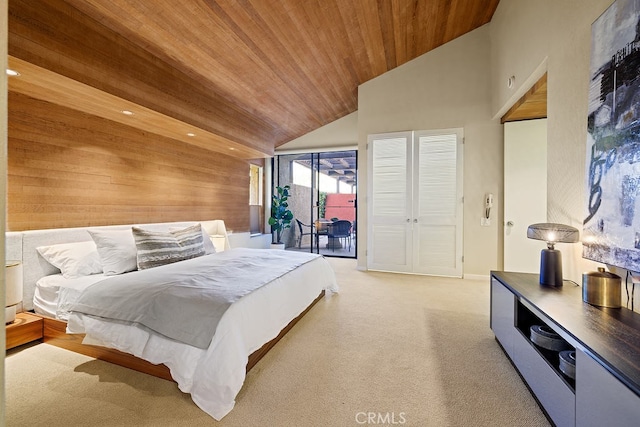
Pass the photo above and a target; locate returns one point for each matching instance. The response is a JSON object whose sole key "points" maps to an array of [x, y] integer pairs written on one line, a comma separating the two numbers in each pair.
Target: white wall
{"points": [[337, 134], [463, 84], [553, 35], [448, 87]]}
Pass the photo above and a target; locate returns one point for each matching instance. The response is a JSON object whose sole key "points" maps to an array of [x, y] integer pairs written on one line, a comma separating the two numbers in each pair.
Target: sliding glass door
{"points": [[323, 201]]}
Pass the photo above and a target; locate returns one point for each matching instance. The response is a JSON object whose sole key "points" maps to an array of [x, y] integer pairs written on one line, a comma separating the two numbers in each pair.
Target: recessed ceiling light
{"points": [[12, 73], [191, 134], [231, 148], [127, 112]]}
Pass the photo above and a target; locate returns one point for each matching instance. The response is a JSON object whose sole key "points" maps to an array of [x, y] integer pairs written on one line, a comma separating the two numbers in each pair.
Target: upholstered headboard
{"points": [[21, 245]]}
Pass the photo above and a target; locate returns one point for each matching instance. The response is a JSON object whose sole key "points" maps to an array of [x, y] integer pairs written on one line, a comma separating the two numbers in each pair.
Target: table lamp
{"points": [[551, 258], [13, 289]]}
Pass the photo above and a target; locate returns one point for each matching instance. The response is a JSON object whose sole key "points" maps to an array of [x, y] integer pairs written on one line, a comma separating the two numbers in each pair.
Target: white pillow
{"points": [[73, 259], [117, 249], [209, 248]]}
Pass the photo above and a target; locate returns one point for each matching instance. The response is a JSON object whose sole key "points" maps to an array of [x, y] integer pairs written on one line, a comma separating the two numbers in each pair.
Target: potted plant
{"points": [[281, 216], [322, 204]]}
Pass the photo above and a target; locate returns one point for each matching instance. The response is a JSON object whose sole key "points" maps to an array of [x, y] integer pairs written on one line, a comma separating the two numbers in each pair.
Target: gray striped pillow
{"points": [[157, 248]]}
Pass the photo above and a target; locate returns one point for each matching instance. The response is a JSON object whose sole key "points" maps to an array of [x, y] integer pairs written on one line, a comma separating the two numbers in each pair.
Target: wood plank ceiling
{"points": [[248, 75]]}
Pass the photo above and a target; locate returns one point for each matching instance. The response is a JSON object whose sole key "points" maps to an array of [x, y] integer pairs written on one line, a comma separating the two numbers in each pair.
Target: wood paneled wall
{"points": [[71, 169]]}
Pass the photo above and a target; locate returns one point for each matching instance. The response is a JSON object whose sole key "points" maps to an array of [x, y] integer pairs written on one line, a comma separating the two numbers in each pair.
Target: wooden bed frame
{"points": [[23, 246], [55, 334]]}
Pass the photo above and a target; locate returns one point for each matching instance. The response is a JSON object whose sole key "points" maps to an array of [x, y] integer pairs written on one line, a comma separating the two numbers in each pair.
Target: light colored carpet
{"points": [[402, 349]]}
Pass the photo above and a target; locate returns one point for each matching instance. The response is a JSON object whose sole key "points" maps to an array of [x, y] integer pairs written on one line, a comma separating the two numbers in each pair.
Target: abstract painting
{"points": [[612, 219]]}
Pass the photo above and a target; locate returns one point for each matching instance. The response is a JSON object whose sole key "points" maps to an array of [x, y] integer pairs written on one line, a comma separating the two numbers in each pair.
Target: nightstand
{"points": [[26, 328]]}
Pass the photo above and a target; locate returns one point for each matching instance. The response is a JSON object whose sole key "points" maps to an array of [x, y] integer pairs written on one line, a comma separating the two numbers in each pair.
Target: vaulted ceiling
{"points": [[242, 75]]}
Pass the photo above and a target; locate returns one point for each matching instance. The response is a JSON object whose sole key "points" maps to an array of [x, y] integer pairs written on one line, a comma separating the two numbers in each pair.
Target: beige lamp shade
{"points": [[13, 288], [219, 242]]}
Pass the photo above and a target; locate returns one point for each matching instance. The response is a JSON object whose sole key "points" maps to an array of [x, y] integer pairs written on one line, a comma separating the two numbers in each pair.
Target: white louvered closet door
{"points": [[415, 202], [390, 207], [437, 204]]}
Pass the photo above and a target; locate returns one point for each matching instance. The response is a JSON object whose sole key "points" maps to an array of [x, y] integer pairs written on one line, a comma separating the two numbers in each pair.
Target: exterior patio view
{"points": [[322, 200]]}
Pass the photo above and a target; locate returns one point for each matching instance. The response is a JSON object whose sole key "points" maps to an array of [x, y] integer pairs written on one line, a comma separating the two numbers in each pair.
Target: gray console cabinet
{"points": [[601, 399], [606, 389], [503, 309]]}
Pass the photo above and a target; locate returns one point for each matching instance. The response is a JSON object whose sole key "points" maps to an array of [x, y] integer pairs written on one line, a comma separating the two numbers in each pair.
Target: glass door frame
{"points": [[314, 202]]}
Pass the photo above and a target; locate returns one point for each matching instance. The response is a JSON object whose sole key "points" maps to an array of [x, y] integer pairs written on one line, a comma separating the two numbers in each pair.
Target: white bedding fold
{"points": [[54, 294], [185, 300]]}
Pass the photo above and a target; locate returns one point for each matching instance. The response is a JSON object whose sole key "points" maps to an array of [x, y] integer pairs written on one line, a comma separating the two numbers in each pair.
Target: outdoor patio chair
{"points": [[340, 229], [304, 231]]}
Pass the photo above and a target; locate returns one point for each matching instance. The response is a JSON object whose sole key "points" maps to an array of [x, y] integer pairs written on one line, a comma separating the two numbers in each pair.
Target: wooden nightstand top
{"points": [[26, 328]]}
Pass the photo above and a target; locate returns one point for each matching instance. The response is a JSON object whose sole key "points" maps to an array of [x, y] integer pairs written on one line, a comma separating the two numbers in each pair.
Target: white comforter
{"points": [[215, 375], [186, 300]]}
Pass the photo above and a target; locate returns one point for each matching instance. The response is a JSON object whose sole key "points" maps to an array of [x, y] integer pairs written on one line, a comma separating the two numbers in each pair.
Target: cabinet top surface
{"points": [[611, 335]]}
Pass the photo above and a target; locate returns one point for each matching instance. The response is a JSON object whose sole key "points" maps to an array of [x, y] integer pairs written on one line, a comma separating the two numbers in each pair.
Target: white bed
{"points": [[54, 294], [213, 375]]}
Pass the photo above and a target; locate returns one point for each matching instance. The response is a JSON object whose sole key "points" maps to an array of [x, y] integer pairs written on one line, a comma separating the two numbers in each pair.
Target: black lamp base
{"points": [[551, 267]]}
